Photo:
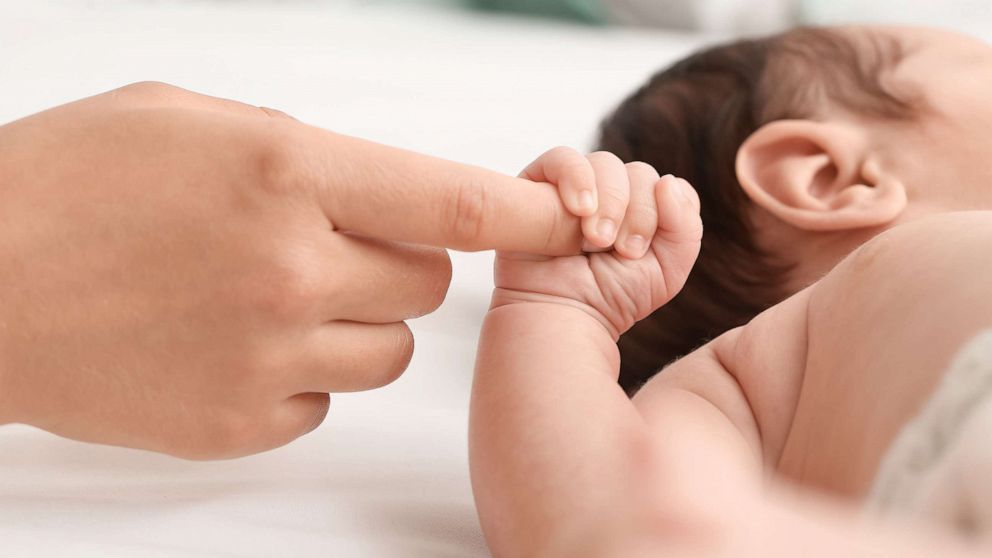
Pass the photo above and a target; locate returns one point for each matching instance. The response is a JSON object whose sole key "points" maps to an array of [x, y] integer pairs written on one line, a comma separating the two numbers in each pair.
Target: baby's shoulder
{"points": [[880, 330], [952, 239]]}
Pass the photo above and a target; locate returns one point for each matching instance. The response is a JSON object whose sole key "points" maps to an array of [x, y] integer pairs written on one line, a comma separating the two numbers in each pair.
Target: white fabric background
{"points": [[386, 476], [970, 16]]}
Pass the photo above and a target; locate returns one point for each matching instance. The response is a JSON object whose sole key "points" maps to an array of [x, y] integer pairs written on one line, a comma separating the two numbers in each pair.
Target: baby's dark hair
{"points": [[691, 119]]}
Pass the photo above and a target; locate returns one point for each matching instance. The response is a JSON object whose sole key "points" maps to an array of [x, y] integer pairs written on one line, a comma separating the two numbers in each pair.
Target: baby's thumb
{"points": [[680, 233]]}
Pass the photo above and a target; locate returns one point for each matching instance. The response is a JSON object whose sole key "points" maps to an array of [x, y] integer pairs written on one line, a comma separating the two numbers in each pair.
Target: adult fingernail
{"points": [[606, 229], [587, 203], [637, 244]]}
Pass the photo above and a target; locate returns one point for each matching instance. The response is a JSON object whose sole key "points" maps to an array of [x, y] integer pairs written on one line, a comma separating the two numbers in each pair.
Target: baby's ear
{"points": [[818, 176]]}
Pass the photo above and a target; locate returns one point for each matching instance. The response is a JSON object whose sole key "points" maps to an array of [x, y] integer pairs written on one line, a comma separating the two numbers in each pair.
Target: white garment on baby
{"points": [[939, 469]]}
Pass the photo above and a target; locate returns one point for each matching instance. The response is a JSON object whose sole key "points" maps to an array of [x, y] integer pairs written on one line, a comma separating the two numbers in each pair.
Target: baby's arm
{"points": [[563, 464], [559, 453]]}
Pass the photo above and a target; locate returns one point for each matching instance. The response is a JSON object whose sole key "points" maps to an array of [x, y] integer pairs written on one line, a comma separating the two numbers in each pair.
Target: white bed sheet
{"points": [[387, 474]]}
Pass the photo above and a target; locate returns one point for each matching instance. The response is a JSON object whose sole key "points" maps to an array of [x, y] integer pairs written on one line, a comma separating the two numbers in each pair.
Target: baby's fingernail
{"points": [[606, 229], [686, 193], [637, 244], [586, 202]]}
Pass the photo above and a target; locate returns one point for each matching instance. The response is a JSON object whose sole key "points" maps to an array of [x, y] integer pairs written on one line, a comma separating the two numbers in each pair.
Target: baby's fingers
{"points": [[680, 231], [614, 196], [641, 221], [678, 209], [572, 173]]}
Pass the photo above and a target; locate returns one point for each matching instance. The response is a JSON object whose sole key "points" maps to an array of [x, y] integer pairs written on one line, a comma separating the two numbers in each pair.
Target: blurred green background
{"points": [[747, 16], [589, 11]]}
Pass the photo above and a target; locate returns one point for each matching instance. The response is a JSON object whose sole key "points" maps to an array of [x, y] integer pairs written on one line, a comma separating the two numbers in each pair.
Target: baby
{"points": [[801, 147]]}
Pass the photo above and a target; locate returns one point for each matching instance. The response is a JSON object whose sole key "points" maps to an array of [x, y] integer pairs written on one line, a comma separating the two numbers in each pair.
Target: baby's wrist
{"points": [[562, 330], [543, 305]]}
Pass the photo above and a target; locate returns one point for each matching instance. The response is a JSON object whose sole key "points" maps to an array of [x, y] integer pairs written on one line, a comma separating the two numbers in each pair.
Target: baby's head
{"points": [[802, 146]]}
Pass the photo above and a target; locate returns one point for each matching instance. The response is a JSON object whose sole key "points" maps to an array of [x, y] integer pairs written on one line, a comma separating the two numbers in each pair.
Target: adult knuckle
{"points": [[273, 163], [259, 363], [145, 91], [287, 288], [466, 214], [275, 113], [277, 158]]}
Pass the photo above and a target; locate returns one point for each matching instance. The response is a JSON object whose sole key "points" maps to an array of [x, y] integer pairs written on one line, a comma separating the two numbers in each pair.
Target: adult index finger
{"points": [[393, 194]]}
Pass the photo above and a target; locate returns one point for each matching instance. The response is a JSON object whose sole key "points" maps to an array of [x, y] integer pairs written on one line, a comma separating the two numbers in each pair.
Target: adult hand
{"points": [[193, 275]]}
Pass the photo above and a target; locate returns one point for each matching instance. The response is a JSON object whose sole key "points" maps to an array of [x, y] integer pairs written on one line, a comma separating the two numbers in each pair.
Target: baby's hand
{"points": [[646, 229]]}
